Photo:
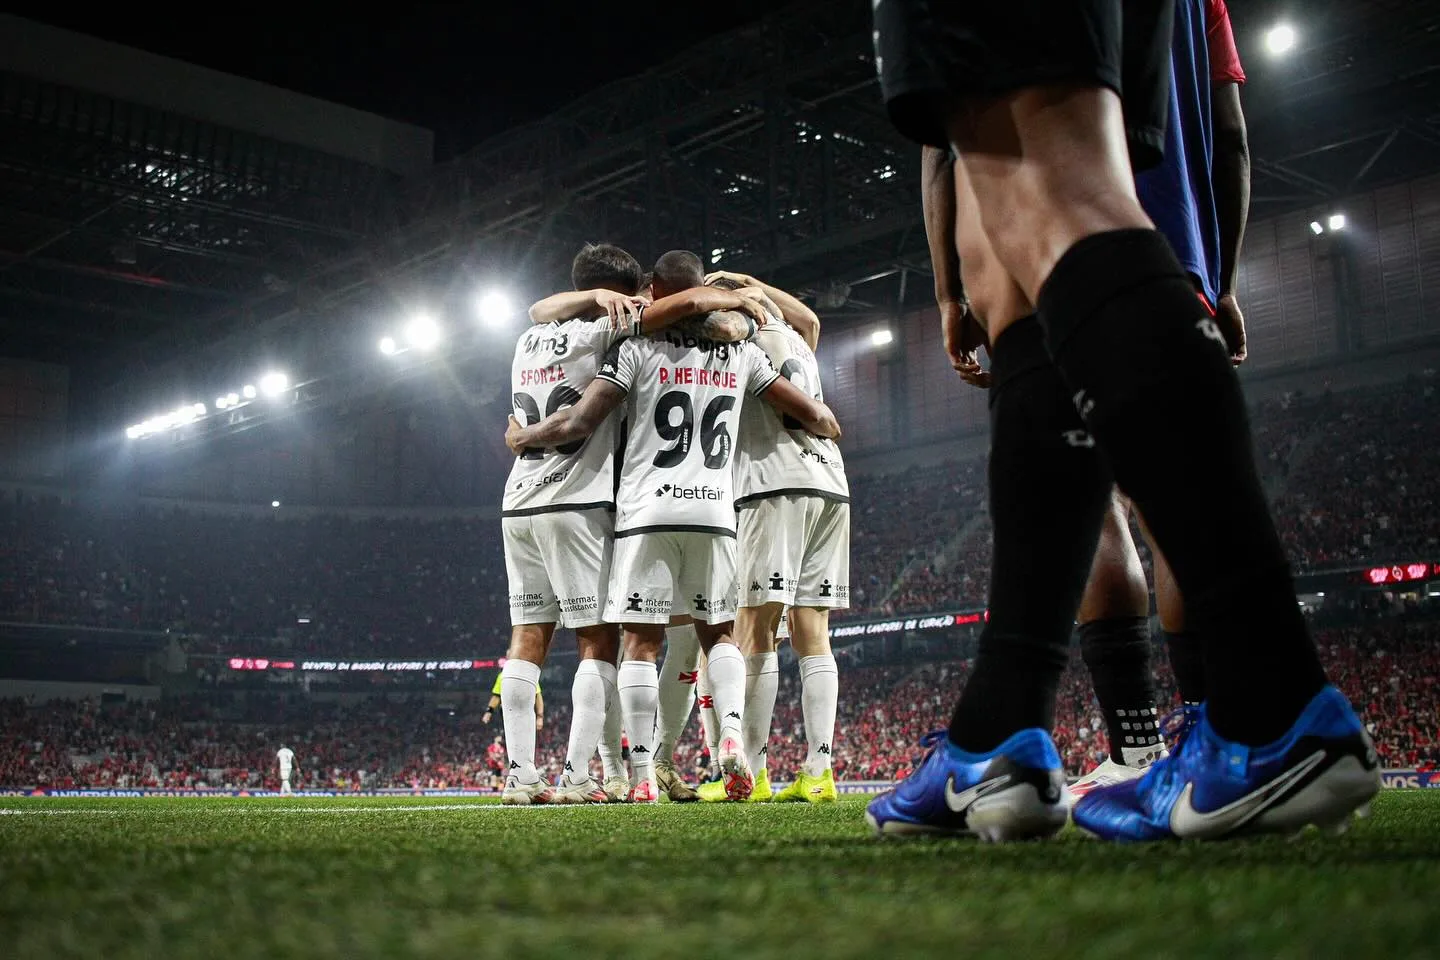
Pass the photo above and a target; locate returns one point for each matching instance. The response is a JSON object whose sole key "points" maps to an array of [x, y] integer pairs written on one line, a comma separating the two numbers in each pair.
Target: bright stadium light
{"points": [[1280, 39], [1316, 228], [881, 337], [199, 409], [494, 309], [275, 503], [135, 432], [388, 346], [232, 399], [221, 403], [249, 391], [422, 332], [274, 384], [1336, 221]]}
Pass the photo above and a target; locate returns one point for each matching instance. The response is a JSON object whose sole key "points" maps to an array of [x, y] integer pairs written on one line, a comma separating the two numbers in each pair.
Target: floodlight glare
{"points": [[881, 337], [199, 409], [1280, 39], [274, 384], [494, 309], [422, 332], [274, 503], [221, 403], [135, 432], [388, 346], [249, 391], [1315, 227], [232, 399], [1336, 221]]}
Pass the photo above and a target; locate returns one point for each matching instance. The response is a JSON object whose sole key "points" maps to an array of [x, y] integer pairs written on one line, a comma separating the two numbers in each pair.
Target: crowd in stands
{"points": [[1390, 670], [1356, 477]]}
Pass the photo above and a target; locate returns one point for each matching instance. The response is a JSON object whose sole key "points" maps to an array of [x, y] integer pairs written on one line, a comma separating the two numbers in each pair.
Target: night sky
{"points": [[464, 70]]}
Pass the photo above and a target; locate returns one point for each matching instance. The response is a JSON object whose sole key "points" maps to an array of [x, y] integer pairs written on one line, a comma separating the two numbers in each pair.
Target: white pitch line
{"points": [[265, 810], [52, 813]]}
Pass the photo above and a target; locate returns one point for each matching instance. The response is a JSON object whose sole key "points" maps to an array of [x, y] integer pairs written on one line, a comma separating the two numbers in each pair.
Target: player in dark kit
{"points": [[1125, 359]]}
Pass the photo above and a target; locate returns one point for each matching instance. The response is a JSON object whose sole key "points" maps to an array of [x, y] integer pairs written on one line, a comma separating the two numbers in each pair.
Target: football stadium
{"points": [[834, 479]]}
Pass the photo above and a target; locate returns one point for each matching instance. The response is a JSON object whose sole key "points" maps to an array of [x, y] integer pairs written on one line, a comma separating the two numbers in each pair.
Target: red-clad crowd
{"points": [[1390, 670]]}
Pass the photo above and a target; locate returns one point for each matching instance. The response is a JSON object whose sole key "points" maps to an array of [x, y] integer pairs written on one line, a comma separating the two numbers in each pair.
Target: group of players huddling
{"points": [[1084, 230], [676, 484]]}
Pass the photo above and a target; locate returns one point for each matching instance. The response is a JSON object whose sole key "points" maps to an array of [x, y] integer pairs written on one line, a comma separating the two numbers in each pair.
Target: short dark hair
{"points": [[725, 283], [606, 266], [679, 270]]}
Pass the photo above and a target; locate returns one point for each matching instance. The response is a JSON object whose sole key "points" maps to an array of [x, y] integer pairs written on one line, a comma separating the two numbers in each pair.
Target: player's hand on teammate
{"points": [[752, 302], [512, 437], [827, 426], [624, 312], [963, 337], [1232, 324], [744, 279]]}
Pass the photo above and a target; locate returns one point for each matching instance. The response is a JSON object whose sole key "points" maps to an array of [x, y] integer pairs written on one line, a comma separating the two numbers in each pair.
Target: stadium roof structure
{"points": [[766, 149]]}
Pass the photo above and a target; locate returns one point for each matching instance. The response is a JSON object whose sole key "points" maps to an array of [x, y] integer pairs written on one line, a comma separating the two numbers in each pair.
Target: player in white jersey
{"points": [[556, 516], [793, 504], [285, 757], [675, 520]]}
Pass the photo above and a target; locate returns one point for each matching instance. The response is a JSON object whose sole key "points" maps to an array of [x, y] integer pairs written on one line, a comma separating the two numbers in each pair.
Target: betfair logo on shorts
{"points": [[698, 492], [526, 600]]}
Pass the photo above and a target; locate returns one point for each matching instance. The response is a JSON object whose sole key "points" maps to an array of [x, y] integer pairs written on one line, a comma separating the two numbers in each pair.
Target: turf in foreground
{"points": [[310, 878]]}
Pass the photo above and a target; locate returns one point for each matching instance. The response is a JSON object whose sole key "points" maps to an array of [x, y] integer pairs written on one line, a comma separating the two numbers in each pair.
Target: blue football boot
{"points": [[1321, 772], [1014, 792]]}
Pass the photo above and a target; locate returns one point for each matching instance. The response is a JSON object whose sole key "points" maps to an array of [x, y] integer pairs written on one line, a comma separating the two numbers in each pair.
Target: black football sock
{"points": [[1049, 489], [1187, 662], [1150, 374], [1117, 654]]}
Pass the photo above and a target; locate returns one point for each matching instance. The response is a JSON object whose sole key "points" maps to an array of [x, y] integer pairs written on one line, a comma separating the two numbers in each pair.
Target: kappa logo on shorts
{"points": [[823, 748], [755, 585]]}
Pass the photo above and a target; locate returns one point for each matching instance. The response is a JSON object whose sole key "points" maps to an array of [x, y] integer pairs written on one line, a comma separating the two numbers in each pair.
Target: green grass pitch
{"points": [[314, 878]]}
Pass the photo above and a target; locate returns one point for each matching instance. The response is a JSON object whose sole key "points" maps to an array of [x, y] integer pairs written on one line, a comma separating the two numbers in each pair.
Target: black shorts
{"points": [[929, 52], [625, 754]]}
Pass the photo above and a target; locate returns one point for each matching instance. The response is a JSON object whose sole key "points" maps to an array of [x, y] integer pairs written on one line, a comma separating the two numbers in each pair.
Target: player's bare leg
{"points": [[639, 697], [593, 688], [1115, 644], [727, 686], [529, 643], [678, 674]]}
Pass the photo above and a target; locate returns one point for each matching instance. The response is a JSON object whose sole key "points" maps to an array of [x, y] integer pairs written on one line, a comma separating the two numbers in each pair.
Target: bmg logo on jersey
{"points": [[542, 343], [545, 481], [697, 492]]}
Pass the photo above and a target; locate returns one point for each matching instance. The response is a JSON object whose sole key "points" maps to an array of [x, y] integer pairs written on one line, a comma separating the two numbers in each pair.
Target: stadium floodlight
{"points": [[275, 503], [232, 399], [221, 403], [249, 391], [881, 337], [494, 309], [422, 332], [388, 346], [1280, 39], [273, 384], [1336, 221], [135, 432], [1316, 228], [199, 409]]}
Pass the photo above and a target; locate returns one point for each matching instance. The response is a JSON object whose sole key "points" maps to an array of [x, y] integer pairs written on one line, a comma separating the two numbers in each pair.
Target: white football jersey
{"points": [[777, 455], [685, 394], [286, 756], [553, 365]]}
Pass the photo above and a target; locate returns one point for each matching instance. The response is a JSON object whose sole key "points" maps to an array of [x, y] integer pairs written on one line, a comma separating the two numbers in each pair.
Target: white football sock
{"points": [[762, 684], [819, 698], [518, 680], [727, 686], [639, 690], [708, 721], [612, 759], [677, 688], [593, 686]]}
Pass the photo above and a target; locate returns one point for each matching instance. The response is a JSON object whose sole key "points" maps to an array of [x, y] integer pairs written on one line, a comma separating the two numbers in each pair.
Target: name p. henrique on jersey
{"points": [[553, 365], [685, 395], [777, 455]]}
